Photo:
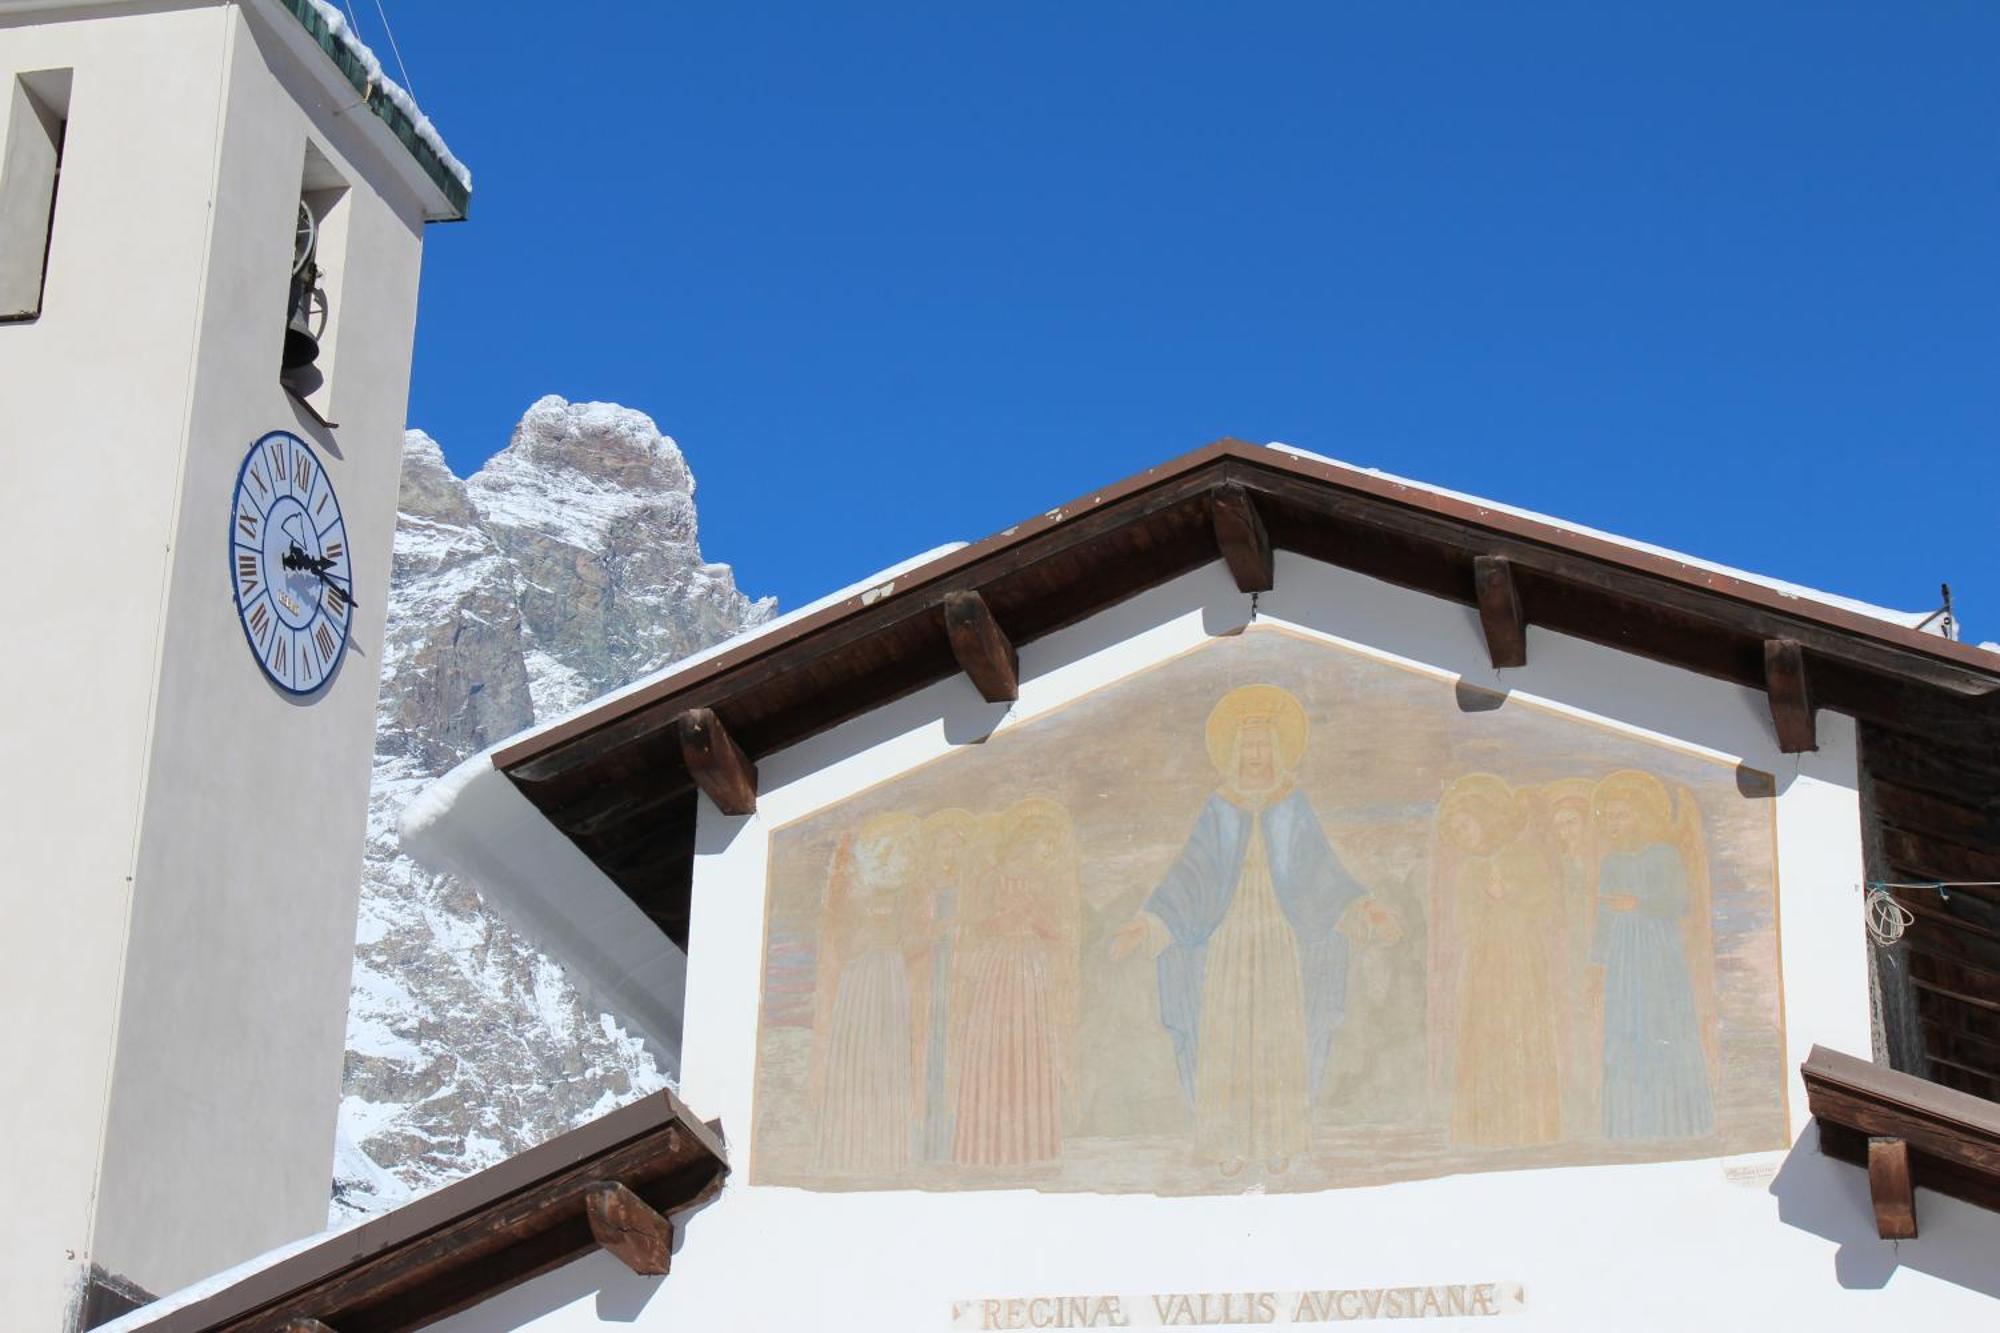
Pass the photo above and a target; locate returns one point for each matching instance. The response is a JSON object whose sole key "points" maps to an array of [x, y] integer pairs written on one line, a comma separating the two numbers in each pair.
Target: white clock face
{"points": [[288, 563]]}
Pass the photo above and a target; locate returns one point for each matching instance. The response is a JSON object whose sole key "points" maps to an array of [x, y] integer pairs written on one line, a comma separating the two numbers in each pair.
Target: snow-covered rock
{"points": [[565, 567]]}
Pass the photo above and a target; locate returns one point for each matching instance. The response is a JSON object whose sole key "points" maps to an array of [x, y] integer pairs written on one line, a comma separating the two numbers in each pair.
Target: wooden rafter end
{"points": [[716, 762], [983, 650]]}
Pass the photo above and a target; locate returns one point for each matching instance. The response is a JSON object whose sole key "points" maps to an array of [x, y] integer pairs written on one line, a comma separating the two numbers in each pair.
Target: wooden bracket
{"points": [[1791, 698], [301, 1324], [716, 763], [1239, 531], [1891, 1190], [629, 1228], [1500, 611], [983, 650]]}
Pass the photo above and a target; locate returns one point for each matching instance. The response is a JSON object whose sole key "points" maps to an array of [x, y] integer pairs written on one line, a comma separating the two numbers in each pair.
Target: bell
{"points": [[301, 347]]}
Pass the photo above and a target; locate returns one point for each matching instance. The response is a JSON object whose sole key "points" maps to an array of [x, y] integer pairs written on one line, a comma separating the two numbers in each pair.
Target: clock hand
{"points": [[296, 558]]}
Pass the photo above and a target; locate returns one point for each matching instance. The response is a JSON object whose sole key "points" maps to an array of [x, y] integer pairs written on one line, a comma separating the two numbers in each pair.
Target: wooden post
{"points": [[1791, 698], [716, 763], [1239, 532], [983, 650], [1890, 1188], [1500, 613], [629, 1229]]}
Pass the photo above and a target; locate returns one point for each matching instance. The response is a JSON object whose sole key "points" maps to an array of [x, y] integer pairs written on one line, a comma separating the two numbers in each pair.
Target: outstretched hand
{"points": [[1384, 926], [1126, 940]]}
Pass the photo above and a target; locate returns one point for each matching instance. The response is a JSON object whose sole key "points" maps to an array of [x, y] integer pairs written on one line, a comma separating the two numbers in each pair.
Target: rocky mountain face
{"points": [[566, 566]]}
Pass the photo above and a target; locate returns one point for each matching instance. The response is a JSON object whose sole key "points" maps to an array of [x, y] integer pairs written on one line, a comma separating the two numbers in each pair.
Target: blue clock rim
{"points": [[235, 589]]}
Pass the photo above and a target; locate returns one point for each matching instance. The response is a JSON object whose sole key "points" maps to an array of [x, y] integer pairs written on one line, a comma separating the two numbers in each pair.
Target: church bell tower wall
{"points": [[184, 847]]}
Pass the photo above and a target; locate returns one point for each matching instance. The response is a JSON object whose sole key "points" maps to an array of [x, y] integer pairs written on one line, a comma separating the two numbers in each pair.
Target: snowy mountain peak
{"points": [[566, 566]]}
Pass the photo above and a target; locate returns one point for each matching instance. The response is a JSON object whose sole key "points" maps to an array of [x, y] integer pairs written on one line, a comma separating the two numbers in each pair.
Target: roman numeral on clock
{"points": [[260, 618], [247, 575], [246, 523], [324, 638]]}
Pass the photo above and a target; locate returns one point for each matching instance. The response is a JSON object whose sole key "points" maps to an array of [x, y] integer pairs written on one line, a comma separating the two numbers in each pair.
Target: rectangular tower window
{"points": [[312, 304], [36, 112]]}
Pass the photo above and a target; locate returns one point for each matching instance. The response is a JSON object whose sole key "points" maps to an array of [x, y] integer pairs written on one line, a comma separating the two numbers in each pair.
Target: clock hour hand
{"points": [[296, 558]]}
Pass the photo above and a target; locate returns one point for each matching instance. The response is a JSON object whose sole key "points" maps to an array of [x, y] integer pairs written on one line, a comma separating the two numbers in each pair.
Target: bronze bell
{"points": [[301, 346]]}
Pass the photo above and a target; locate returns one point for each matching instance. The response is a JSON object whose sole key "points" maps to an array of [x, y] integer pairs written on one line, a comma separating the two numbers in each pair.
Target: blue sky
{"points": [[1719, 277]]}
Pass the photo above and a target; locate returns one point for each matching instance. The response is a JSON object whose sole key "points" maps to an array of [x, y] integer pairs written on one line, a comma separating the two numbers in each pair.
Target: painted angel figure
{"points": [[1563, 820], [1496, 968], [1017, 994], [1655, 943], [869, 1035], [955, 856], [1250, 929]]}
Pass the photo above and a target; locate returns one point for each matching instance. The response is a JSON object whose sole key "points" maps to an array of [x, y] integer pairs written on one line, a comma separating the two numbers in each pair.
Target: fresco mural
{"points": [[1274, 914]]}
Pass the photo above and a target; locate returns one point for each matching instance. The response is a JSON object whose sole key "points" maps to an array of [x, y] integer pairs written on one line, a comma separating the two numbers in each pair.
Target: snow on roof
{"points": [[344, 33], [1907, 619]]}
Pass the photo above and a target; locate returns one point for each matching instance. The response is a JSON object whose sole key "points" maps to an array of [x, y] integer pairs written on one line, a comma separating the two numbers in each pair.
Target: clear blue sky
{"points": [[1720, 277]]}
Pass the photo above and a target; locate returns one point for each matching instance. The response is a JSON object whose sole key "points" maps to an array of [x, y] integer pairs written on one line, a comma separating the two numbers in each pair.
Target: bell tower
{"points": [[211, 225]]}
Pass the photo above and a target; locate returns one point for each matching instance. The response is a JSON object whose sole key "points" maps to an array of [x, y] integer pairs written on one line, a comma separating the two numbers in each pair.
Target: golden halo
{"points": [[1493, 805], [1647, 794], [1569, 791], [1266, 703]]}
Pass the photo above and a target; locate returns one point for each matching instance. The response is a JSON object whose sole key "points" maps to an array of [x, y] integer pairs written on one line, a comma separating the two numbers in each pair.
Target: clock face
{"points": [[288, 563]]}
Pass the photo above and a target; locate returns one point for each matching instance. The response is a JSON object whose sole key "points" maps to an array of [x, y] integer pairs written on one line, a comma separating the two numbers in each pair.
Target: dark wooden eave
{"points": [[615, 781], [1907, 1131], [454, 1248]]}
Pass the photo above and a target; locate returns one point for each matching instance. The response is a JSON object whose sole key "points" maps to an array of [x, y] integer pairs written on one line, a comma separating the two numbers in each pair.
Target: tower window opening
{"points": [[37, 117]]}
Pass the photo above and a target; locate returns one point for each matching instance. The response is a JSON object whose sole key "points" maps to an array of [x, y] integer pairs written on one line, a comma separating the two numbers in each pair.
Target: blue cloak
{"points": [[1313, 890]]}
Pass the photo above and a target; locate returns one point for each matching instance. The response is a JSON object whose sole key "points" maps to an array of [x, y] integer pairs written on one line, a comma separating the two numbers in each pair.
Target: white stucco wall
{"points": [[181, 842], [1781, 1240]]}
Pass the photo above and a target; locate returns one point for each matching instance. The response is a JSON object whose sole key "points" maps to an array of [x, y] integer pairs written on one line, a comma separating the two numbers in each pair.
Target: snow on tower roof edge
{"points": [[343, 32]]}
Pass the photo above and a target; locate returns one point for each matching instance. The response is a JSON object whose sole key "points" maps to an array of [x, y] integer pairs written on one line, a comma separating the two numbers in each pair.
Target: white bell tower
{"points": [[211, 223]]}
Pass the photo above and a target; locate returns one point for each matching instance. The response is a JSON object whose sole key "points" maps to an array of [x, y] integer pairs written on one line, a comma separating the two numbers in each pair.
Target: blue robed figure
{"points": [[1246, 929], [1311, 889]]}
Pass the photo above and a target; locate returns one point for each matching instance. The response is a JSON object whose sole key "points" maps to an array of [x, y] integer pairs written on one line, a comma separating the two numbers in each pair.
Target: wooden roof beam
{"points": [[1240, 534], [628, 1228], [983, 650], [1791, 696], [1500, 613], [1890, 1189], [716, 762]]}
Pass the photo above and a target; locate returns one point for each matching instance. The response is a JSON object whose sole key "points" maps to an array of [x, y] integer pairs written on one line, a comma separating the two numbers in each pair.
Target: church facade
{"points": [[1262, 892]]}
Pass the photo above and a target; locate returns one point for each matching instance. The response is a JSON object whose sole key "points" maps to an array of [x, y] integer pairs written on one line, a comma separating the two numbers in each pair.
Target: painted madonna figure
{"points": [[1250, 930]]}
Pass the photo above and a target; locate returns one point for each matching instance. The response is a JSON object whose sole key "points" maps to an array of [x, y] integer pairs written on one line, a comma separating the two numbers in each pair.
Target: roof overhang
{"points": [[616, 780], [478, 1236], [1907, 1132]]}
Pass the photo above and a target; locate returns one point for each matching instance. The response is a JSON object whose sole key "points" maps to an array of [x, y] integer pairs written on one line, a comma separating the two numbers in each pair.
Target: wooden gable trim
{"points": [[1337, 492], [478, 1236]]}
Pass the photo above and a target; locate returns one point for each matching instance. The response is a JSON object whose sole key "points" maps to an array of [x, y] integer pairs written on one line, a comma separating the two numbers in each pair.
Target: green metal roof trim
{"points": [[456, 192]]}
